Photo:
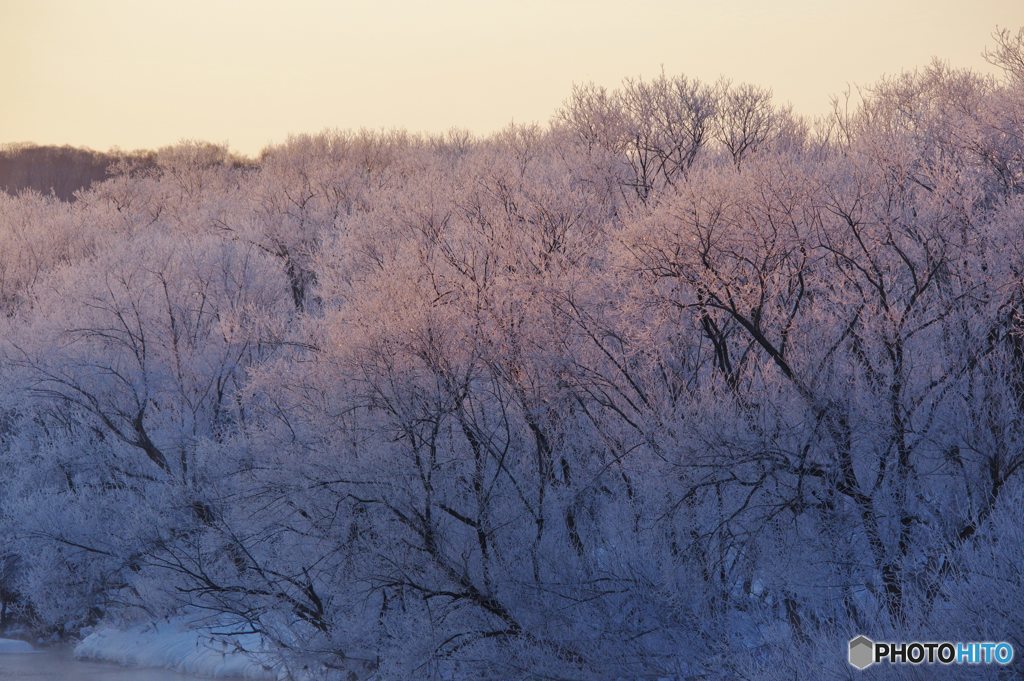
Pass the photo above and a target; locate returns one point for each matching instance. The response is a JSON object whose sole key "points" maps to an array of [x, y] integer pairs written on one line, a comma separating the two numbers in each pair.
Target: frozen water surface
{"points": [[59, 664]]}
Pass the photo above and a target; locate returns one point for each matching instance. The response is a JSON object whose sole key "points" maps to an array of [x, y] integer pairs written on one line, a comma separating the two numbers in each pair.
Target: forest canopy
{"points": [[679, 384]]}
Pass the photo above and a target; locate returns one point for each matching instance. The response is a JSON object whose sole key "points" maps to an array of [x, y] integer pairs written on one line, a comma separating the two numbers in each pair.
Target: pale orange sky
{"points": [[140, 73]]}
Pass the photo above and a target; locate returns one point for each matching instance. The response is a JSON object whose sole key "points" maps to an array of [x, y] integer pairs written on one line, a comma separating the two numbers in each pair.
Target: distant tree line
{"points": [[65, 170], [61, 170]]}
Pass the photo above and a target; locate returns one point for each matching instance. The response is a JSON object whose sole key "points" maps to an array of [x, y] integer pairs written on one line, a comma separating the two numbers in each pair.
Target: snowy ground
{"points": [[11, 646], [174, 645]]}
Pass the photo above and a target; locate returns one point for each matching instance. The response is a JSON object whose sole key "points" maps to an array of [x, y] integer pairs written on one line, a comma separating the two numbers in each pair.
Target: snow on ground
{"points": [[178, 646], [9, 645]]}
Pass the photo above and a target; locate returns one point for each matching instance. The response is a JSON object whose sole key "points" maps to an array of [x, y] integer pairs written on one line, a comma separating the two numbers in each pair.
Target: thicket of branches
{"points": [[679, 384]]}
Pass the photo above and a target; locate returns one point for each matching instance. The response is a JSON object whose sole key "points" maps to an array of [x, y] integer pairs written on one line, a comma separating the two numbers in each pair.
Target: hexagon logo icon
{"points": [[862, 652]]}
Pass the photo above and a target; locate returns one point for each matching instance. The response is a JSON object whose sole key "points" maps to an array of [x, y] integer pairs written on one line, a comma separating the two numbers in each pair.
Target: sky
{"points": [[143, 74]]}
